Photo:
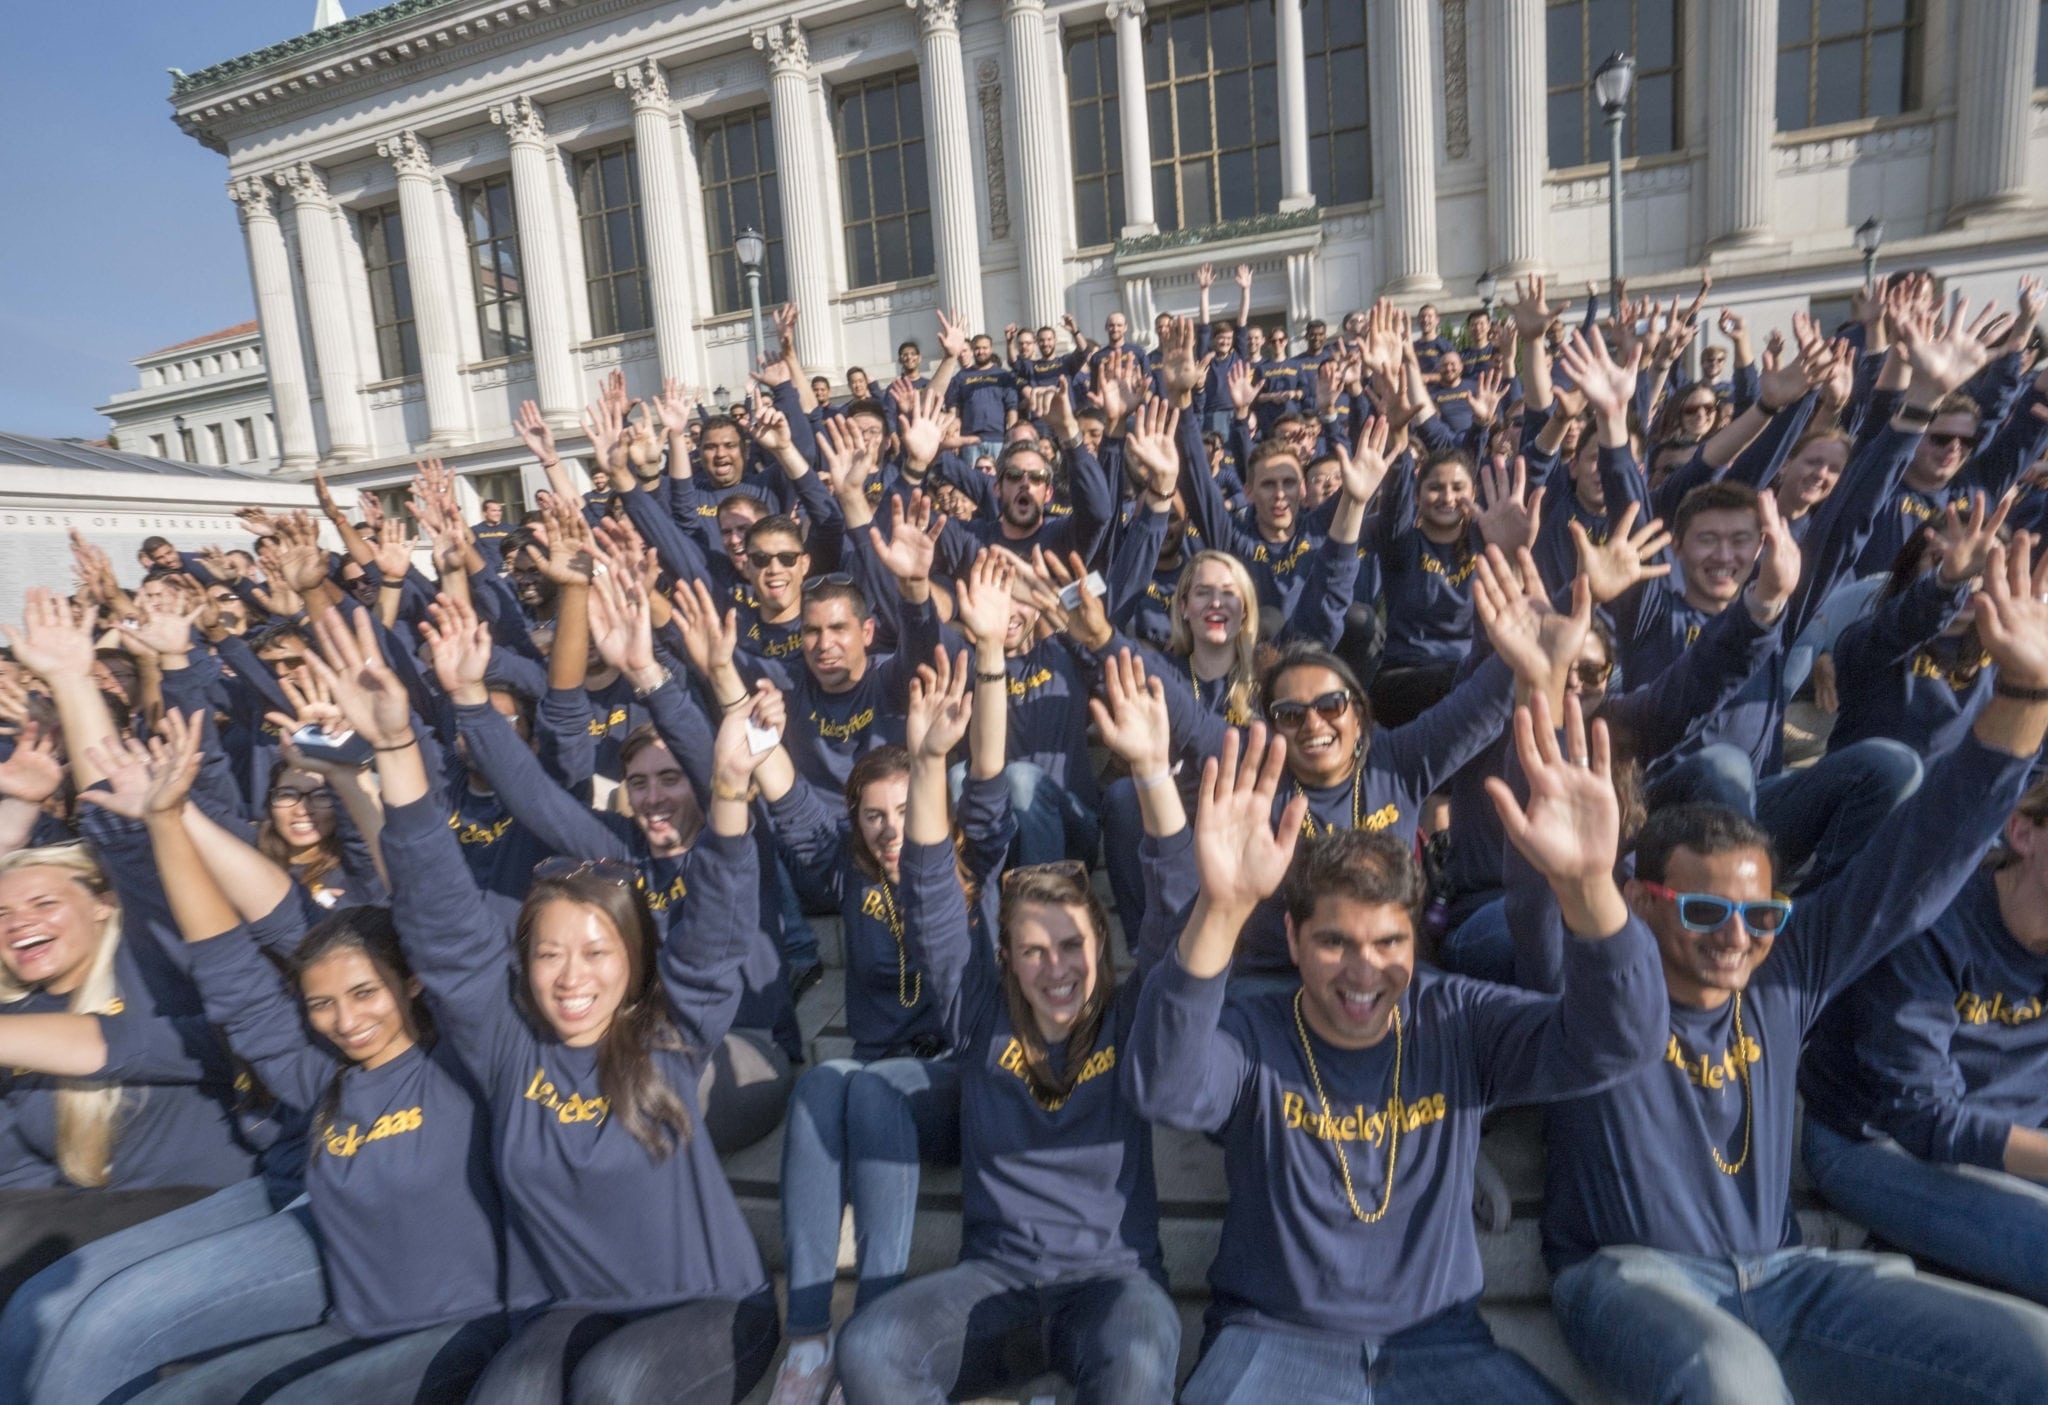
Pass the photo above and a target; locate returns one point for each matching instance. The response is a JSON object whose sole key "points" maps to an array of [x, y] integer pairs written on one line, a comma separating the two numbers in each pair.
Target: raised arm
{"points": [[55, 641]]}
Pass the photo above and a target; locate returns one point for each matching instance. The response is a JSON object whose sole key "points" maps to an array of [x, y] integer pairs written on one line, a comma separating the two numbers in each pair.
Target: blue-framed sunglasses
{"points": [[1707, 912]]}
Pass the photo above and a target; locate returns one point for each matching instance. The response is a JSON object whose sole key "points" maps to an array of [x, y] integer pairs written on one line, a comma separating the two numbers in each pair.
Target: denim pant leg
{"points": [[1828, 810], [900, 1113], [1481, 946], [911, 1347], [434, 1363], [1255, 1363], [1117, 1338], [1713, 775], [1987, 1224], [1868, 1329], [799, 942], [1653, 1326], [1123, 830], [41, 1307], [1459, 1375], [814, 1192], [1040, 807], [239, 1285]]}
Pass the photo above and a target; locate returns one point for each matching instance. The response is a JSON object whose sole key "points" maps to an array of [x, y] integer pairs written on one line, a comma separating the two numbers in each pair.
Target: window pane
{"points": [[1263, 39], [853, 127], [1240, 192], [1566, 59], [909, 108], [501, 206], [1887, 75], [1165, 198], [1159, 113], [1839, 17], [1795, 21], [1884, 12], [1348, 101], [1351, 154], [1081, 72], [1655, 25], [1190, 32], [1792, 113], [1651, 116], [1567, 134], [881, 116], [1197, 205], [1233, 99], [886, 169], [916, 195], [1346, 21], [1607, 28], [1838, 83]]}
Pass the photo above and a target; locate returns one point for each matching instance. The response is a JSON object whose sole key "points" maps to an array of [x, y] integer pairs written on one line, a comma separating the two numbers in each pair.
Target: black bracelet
{"points": [[981, 677], [408, 742], [1914, 414], [2002, 689]]}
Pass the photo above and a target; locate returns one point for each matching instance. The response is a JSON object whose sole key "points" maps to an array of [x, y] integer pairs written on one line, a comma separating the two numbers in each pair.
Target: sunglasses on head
{"points": [[760, 560], [1288, 716], [1014, 474], [1942, 441], [612, 870], [1707, 912], [1065, 868], [836, 578]]}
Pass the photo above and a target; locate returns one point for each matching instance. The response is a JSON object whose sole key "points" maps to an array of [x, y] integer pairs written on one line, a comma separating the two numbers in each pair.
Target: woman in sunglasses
{"points": [[1060, 1215], [860, 1128], [590, 1069]]}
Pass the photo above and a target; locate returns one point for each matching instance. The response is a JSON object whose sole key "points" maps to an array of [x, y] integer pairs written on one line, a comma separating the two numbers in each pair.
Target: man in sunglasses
{"points": [[1667, 1211], [778, 567]]}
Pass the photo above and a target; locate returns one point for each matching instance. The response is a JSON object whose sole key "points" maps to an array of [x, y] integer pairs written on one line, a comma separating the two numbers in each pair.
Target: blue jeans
{"points": [[1986, 1224], [222, 1270], [1115, 1336], [1481, 946], [799, 942], [1450, 1360], [325, 1363], [1818, 817], [981, 449], [1123, 830], [1051, 824], [859, 1135], [1813, 1325]]}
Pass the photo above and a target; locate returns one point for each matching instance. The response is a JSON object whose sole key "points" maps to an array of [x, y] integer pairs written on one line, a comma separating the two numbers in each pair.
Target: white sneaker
{"points": [[805, 1377]]}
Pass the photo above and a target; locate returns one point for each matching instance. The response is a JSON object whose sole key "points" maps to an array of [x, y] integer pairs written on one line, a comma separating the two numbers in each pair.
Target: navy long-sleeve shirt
{"points": [[1899, 676]]}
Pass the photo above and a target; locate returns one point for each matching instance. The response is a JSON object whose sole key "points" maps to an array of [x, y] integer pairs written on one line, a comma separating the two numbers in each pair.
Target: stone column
{"points": [[1134, 116], [1742, 77], [334, 343], [270, 270], [805, 220], [1408, 209], [1296, 193], [1041, 233], [661, 211], [1994, 106], [1518, 136], [421, 196], [956, 225], [543, 282]]}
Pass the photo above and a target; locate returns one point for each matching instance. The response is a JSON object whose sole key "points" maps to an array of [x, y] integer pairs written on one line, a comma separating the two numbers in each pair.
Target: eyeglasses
{"points": [[312, 799], [1014, 474], [612, 870], [1289, 716], [836, 578], [1707, 912], [1943, 441], [759, 559], [1593, 675]]}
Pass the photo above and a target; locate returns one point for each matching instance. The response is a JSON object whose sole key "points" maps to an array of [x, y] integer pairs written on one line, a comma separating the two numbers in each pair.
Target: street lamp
{"points": [[722, 398], [1611, 83], [751, 249], [1487, 286], [1869, 238]]}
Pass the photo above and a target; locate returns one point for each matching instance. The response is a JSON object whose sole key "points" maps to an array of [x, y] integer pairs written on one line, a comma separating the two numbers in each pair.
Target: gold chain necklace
{"points": [[1308, 817], [916, 982], [1748, 1100], [1393, 1117]]}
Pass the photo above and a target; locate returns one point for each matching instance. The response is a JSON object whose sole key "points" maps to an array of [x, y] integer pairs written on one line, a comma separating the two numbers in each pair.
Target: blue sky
{"points": [[116, 233]]}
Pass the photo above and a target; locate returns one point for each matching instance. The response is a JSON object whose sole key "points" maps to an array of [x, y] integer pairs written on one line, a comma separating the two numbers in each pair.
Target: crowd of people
{"points": [[393, 941]]}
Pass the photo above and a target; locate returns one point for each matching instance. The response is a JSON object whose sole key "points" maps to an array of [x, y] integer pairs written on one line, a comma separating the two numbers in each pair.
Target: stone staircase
{"points": [[1192, 1195]]}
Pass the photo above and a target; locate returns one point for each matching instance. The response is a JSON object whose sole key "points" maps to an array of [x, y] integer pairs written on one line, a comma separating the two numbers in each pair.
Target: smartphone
{"points": [[1070, 593], [343, 748]]}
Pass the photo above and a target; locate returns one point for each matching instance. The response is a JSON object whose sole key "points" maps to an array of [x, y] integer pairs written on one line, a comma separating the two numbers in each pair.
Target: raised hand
{"points": [[1943, 354], [849, 462], [1487, 392], [923, 428], [55, 640], [2012, 612], [913, 538], [620, 628], [1180, 371], [32, 774], [953, 336], [1131, 715], [1241, 854], [394, 550], [1608, 385], [350, 664], [1118, 385], [124, 762], [982, 598], [301, 560], [533, 431], [941, 706], [1152, 446], [677, 404], [1777, 563], [1625, 559], [460, 646], [1243, 390], [1365, 465], [604, 425], [1537, 642], [1964, 543], [1529, 312], [1088, 621], [259, 522], [1570, 831], [174, 762], [1059, 414], [163, 632], [709, 635], [1512, 514]]}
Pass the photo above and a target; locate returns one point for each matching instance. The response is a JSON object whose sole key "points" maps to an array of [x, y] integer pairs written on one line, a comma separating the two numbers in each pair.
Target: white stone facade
{"points": [[204, 401], [407, 105]]}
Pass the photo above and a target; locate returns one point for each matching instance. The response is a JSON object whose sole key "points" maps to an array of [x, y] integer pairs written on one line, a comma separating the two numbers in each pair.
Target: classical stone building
{"points": [[202, 401], [454, 205]]}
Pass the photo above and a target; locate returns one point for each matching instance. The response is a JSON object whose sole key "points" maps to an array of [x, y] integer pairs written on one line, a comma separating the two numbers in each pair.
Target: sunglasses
{"points": [[311, 799], [1288, 716], [836, 578], [613, 870], [760, 560], [1705, 912], [1593, 675], [1014, 474], [1943, 441], [1702, 408]]}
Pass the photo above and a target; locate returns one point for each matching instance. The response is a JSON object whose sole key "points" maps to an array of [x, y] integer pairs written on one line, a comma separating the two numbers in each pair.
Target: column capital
{"points": [[522, 119], [1119, 9], [409, 152], [787, 46], [647, 84], [1023, 7], [935, 16], [305, 182], [254, 197]]}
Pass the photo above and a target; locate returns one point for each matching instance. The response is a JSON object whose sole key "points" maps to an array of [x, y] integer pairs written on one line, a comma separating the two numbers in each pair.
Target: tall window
{"points": [[736, 158], [1214, 101], [1339, 146], [1840, 60], [1097, 130], [217, 439], [245, 431], [888, 209], [398, 344], [158, 448], [494, 267], [1582, 34], [505, 486], [614, 244], [188, 448]]}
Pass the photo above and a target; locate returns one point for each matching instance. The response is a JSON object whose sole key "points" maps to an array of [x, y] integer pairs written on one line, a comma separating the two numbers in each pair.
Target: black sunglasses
{"points": [[1593, 675], [836, 578], [614, 870], [1942, 441], [759, 559], [1288, 716], [1014, 474]]}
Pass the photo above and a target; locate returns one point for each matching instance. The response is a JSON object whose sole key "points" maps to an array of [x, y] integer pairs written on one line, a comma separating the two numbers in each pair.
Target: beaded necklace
{"points": [[1748, 1099], [1393, 1117], [913, 984], [1308, 818]]}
